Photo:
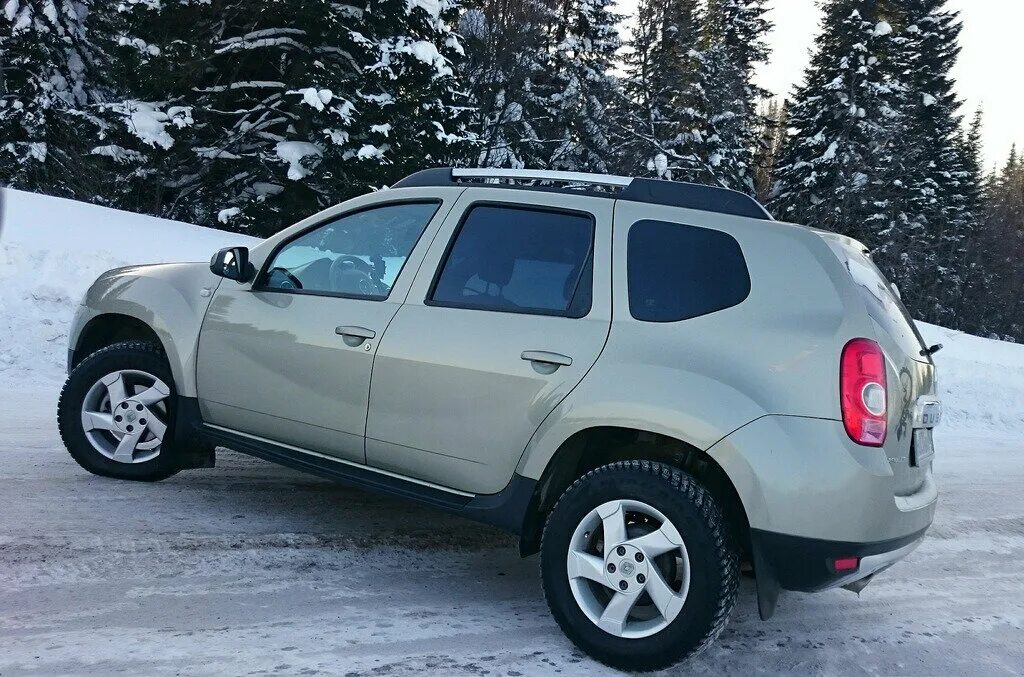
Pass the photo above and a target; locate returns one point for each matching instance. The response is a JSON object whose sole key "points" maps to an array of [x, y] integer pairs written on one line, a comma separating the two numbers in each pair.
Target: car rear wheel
{"points": [[116, 411], [638, 567]]}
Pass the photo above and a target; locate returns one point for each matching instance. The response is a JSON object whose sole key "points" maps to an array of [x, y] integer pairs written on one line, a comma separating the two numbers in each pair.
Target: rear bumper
{"points": [[807, 564]]}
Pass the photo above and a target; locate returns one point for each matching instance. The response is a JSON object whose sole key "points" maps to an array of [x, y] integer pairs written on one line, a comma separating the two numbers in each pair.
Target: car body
{"points": [[492, 403]]}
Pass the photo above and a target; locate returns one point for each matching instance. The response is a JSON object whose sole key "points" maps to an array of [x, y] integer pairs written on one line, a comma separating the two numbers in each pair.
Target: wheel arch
{"points": [[595, 446], [106, 329]]}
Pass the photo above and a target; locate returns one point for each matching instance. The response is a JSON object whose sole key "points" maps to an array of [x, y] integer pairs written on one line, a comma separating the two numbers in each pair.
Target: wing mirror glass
{"points": [[232, 263]]}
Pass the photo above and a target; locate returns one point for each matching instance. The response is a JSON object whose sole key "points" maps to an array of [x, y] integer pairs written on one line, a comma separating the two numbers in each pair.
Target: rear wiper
{"points": [[931, 350]]}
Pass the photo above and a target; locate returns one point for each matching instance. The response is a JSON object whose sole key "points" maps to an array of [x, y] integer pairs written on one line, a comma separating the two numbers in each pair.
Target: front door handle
{"points": [[544, 357], [353, 335]]}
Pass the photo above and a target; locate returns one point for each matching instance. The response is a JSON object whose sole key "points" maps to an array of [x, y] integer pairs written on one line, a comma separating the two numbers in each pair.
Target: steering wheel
{"points": [[289, 281], [351, 274]]}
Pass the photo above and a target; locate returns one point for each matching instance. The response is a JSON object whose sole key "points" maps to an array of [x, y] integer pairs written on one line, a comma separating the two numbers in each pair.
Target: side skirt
{"points": [[505, 509]]}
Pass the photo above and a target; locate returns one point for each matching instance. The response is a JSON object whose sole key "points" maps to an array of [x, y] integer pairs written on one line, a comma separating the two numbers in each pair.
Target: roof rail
{"points": [[650, 191]]}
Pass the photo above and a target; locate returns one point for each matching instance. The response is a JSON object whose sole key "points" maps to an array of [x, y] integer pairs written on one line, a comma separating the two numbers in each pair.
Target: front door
{"points": [[510, 310], [289, 358]]}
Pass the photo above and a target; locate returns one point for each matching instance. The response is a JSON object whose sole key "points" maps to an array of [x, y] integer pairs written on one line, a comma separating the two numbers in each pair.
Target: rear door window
{"points": [[519, 260], [677, 272]]}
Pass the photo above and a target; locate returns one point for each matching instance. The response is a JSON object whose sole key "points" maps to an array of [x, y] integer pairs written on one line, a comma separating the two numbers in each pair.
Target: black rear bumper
{"points": [[804, 564]]}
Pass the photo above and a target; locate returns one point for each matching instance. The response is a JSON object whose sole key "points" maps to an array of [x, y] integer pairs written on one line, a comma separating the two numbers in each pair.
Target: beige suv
{"points": [[652, 383]]}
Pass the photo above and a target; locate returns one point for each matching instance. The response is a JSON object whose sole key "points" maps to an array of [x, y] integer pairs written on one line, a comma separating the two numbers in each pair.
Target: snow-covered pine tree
{"points": [[734, 42], [260, 113], [969, 308], [837, 167], [771, 132], [506, 44], [1000, 308], [936, 179], [581, 86], [662, 129], [45, 91]]}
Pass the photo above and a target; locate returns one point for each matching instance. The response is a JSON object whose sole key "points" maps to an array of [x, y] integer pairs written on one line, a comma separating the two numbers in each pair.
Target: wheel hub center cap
{"points": [[626, 569], [128, 416]]}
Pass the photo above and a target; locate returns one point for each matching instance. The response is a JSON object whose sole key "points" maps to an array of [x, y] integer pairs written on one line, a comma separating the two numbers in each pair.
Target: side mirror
{"points": [[232, 263]]}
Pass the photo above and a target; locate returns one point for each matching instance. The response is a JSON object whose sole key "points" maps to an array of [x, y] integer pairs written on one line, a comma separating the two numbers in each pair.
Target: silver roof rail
{"points": [[542, 175], [634, 189]]}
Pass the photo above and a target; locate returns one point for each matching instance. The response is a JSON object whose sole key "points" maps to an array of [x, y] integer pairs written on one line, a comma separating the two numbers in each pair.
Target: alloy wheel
{"points": [[124, 415], [628, 569]]}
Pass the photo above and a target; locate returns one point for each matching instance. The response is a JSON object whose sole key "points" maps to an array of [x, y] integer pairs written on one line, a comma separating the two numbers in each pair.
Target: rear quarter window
{"points": [[677, 272]]}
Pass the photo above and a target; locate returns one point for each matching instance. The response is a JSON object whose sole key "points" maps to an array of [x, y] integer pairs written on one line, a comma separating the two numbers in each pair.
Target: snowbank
{"points": [[52, 249], [981, 381]]}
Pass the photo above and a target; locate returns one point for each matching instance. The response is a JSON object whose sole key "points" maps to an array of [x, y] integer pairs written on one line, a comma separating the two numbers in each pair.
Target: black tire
{"points": [[714, 563], [141, 355]]}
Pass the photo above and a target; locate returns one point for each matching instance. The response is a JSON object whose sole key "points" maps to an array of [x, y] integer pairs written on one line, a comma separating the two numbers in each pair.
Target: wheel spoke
{"points": [[97, 420], [582, 565], [153, 394], [115, 388], [156, 426], [668, 602], [126, 447], [613, 619], [613, 517], [658, 542]]}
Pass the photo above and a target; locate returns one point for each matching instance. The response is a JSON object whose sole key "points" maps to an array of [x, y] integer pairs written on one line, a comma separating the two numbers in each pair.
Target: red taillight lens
{"points": [[862, 392]]}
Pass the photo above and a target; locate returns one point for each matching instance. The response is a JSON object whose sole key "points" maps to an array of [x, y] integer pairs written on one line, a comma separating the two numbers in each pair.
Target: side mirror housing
{"points": [[232, 263]]}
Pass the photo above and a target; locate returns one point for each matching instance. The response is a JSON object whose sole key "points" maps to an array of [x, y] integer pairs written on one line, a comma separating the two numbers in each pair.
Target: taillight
{"points": [[862, 392]]}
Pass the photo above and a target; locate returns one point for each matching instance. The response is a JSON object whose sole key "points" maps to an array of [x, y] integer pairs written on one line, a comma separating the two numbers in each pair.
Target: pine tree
{"points": [[581, 86], [506, 43], [938, 182], [45, 93], [838, 170], [771, 133], [734, 41], [259, 113], [662, 130], [968, 307], [1002, 240]]}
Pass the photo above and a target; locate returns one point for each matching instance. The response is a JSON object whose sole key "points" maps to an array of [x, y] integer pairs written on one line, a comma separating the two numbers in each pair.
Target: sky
{"points": [[989, 73]]}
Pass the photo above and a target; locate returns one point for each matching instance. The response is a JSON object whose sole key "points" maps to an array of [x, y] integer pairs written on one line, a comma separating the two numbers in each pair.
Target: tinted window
{"points": [[358, 255], [677, 272], [519, 260]]}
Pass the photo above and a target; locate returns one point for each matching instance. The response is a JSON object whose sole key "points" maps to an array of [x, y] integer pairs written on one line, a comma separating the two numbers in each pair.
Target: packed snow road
{"points": [[252, 567]]}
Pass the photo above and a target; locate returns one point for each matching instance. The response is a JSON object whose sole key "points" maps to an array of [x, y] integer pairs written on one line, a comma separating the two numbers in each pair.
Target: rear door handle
{"points": [[544, 357], [353, 335]]}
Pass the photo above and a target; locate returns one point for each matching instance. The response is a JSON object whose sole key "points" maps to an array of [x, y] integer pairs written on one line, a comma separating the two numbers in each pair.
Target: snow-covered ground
{"points": [[253, 567]]}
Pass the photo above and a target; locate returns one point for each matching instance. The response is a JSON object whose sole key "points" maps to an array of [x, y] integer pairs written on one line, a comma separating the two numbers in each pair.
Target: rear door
{"points": [[510, 310], [912, 405]]}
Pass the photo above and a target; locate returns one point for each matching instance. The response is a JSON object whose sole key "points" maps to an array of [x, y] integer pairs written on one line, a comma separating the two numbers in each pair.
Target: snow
{"points": [[52, 249], [225, 215], [316, 98], [148, 123], [882, 29], [251, 566], [293, 152]]}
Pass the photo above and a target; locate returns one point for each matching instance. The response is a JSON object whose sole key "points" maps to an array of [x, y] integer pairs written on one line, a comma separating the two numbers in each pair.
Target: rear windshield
{"points": [[884, 306]]}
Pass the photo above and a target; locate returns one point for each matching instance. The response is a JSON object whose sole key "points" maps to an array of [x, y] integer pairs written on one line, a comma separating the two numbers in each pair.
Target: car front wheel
{"points": [[116, 412], [638, 567]]}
